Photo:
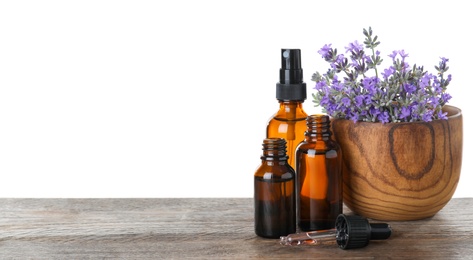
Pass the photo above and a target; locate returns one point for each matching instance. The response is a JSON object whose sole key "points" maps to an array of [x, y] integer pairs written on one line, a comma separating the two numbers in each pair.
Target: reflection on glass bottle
{"points": [[318, 177]]}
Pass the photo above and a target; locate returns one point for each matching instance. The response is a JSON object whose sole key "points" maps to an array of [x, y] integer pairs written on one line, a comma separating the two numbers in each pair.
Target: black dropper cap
{"points": [[355, 231], [291, 86]]}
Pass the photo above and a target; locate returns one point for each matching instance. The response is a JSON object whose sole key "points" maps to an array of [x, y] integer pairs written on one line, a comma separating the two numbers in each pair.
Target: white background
{"points": [[171, 98]]}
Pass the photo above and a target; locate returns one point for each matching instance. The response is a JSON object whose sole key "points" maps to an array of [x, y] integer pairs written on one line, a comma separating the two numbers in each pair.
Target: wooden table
{"points": [[208, 228]]}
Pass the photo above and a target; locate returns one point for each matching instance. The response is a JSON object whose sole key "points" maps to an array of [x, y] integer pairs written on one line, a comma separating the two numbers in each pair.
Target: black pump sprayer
{"points": [[291, 86]]}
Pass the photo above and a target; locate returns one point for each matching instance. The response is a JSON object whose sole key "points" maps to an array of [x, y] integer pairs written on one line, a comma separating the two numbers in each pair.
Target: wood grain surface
{"points": [[400, 171], [217, 228]]}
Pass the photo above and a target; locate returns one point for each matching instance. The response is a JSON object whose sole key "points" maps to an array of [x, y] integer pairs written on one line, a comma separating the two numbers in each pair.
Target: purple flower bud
{"points": [[436, 85], [445, 97], [340, 58], [449, 78], [374, 112], [442, 116], [324, 51], [338, 86], [354, 117], [325, 101], [427, 116], [409, 88], [359, 100], [370, 85], [321, 85], [383, 117], [403, 54], [434, 100], [388, 72], [405, 113], [354, 46], [393, 55], [425, 80]]}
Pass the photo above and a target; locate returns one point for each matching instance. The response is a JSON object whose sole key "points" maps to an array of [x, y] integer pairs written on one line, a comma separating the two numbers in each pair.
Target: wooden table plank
{"points": [[217, 228]]}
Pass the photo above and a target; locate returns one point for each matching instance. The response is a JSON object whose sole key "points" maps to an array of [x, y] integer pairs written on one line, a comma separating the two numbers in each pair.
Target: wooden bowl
{"points": [[400, 171]]}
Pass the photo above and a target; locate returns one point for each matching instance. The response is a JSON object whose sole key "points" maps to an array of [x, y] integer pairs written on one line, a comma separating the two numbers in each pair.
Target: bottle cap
{"points": [[355, 231], [291, 86]]}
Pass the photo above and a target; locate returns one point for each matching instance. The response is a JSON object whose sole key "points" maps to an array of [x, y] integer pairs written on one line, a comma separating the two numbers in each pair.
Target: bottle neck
{"points": [[291, 104], [318, 128], [291, 110], [274, 149]]}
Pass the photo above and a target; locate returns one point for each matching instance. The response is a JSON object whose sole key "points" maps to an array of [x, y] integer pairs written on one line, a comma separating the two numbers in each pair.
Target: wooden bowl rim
{"points": [[456, 112], [452, 113]]}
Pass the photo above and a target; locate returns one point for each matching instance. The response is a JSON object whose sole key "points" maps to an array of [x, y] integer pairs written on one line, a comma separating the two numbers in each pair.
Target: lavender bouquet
{"points": [[402, 93]]}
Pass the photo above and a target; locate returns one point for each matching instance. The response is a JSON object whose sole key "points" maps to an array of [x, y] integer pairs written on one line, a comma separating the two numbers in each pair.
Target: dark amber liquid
{"points": [[275, 213], [318, 214], [320, 189]]}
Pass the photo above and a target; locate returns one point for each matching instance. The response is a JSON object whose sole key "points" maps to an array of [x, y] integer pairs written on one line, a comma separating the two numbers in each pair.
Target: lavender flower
{"points": [[352, 89], [325, 51], [405, 113]]}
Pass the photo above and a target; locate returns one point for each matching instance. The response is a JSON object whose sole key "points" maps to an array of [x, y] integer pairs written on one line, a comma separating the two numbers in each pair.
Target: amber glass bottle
{"points": [[274, 196], [289, 122], [318, 176]]}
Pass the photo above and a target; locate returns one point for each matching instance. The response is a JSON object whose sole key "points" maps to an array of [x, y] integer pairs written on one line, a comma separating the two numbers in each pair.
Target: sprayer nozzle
{"points": [[291, 59], [291, 71]]}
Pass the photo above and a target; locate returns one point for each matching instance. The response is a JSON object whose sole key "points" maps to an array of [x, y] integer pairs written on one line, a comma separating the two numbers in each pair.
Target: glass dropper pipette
{"points": [[351, 231], [321, 237]]}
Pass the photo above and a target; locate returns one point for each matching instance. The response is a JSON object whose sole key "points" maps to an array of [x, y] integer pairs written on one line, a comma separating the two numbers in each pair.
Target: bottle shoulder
{"points": [[291, 110], [281, 115], [325, 145], [282, 119], [275, 171]]}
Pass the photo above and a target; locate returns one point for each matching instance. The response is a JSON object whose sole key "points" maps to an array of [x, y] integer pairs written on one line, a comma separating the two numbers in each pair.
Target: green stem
{"points": [[375, 65]]}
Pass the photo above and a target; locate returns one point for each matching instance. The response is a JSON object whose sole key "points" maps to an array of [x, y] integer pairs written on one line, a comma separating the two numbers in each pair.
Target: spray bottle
{"points": [[289, 121]]}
